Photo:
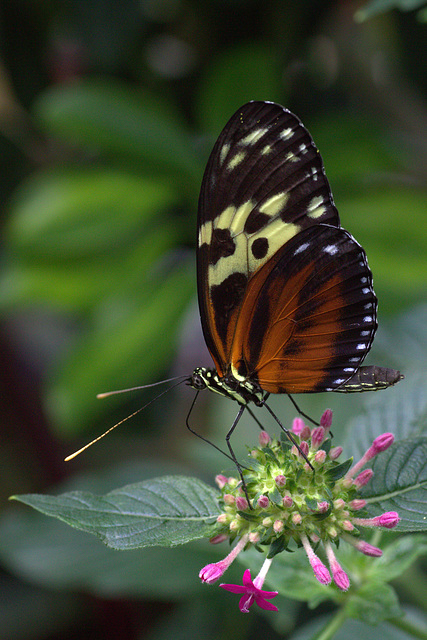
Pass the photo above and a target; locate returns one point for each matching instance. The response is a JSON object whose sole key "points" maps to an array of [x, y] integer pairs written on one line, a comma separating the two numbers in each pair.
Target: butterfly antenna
{"points": [[104, 395]]}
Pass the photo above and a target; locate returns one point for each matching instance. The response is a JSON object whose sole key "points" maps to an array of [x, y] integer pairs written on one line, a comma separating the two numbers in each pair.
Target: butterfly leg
{"points": [[251, 413], [195, 433], [288, 433], [301, 412], [232, 455]]}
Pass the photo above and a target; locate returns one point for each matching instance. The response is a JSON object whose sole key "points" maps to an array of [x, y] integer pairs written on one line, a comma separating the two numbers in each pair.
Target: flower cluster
{"points": [[296, 493]]}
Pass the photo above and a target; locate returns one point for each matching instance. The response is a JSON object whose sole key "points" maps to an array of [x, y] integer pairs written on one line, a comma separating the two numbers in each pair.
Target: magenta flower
{"points": [[311, 502], [251, 593]]}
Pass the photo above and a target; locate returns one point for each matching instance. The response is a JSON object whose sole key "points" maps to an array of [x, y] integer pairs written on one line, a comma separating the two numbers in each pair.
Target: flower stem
{"points": [[409, 627], [332, 626]]}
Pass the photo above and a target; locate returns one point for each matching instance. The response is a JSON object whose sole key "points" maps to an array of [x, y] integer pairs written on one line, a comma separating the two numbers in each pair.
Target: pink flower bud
{"points": [[296, 518], [263, 502], [339, 504], [304, 448], [317, 437], [335, 453], [326, 419], [322, 507], [212, 572], [368, 549], [347, 525], [287, 501], [297, 425], [305, 433], [221, 480], [221, 537], [222, 518], [347, 483], [383, 442], [357, 503], [254, 537], [341, 579], [280, 481], [320, 571], [241, 503], [388, 519], [229, 499], [363, 478], [278, 526], [264, 439], [320, 456]]}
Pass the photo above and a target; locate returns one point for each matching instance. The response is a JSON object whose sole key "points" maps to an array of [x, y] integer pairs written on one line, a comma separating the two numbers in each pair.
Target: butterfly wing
{"points": [[308, 317], [263, 185]]}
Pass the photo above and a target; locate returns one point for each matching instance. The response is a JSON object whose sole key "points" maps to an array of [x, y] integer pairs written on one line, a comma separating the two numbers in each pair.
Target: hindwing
{"points": [[308, 316]]}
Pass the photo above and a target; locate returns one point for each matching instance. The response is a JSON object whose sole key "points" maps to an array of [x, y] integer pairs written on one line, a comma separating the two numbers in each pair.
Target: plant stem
{"points": [[409, 627], [332, 626]]}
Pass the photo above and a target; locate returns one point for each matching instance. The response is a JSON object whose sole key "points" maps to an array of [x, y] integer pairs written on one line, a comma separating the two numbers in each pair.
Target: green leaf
{"points": [[80, 285], [75, 214], [130, 344], [339, 470], [398, 556], [160, 512], [400, 484], [374, 602], [119, 121], [242, 73], [47, 552], [376, 7]]}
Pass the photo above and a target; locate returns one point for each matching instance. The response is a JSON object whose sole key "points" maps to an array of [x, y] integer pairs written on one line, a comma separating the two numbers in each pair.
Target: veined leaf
{"points": [[400, 484], [162, 512]]}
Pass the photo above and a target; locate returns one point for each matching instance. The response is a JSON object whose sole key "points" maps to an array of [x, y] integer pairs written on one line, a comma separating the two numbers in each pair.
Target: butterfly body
{"points": [[242, 391], [285, 293]]}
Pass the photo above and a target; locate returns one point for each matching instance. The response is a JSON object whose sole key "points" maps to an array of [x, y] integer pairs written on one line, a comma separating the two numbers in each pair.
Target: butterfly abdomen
{"points": [[371, 378]]}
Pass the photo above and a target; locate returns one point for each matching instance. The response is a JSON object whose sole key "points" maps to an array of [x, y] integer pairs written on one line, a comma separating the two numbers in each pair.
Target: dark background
{"points": [[108, 111]]}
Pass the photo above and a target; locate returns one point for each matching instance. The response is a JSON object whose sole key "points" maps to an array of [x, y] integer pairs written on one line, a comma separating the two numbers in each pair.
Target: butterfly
{"points": [[285, 293]]}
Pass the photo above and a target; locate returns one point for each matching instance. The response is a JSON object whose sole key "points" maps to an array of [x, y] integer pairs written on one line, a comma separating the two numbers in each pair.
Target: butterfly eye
{"points": [[197, 382]]}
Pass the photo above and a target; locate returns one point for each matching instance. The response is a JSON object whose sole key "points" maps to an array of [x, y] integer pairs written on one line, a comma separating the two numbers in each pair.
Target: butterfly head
{"points": [[229, 386]]}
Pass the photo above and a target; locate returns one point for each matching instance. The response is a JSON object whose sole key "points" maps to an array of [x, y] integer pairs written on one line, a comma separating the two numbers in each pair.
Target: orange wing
{"points": [[308, 317]]}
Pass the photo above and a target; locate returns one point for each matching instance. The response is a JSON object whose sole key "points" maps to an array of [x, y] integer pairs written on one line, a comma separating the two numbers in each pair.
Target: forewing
{"points": [[263, 185], [309, 315]]}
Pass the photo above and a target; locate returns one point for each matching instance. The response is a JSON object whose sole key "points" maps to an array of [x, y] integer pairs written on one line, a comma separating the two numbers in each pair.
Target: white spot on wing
{"points": [[254, 136], [301, 248], [236, 159], [332, 249], [316, 208], [275, 204], [291, 157], [223, 153], [286, 134]]}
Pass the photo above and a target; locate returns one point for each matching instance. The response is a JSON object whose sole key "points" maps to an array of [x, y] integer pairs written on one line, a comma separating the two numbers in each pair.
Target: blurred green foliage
{"points": [[108, 112]]}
